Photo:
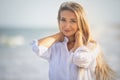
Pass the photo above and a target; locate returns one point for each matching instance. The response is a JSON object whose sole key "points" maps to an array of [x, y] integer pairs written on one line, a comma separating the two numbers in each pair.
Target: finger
{"points": [[78, 34]]}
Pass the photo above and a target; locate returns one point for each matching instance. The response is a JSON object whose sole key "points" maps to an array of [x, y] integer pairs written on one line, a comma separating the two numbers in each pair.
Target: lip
{"points": [[67, 30]]}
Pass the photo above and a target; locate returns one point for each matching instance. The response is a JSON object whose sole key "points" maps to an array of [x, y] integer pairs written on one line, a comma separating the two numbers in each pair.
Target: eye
{"points": [[63, 19], [73, 21]]}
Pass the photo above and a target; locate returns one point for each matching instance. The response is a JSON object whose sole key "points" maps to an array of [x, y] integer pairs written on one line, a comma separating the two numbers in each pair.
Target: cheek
{"points": [[60, 28], [76, 29]]}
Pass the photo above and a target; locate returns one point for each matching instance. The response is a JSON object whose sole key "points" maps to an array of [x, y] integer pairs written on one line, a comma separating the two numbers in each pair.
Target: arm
{"points": [[42, 46], [83, 55], [48, 41], [78, 40]]}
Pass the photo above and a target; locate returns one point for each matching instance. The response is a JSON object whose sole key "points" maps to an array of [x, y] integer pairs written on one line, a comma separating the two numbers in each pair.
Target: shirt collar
{"points": [[65, 40]]}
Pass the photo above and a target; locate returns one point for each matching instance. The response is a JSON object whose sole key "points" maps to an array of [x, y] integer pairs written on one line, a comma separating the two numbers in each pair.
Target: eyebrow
{"points": [[70, 19]]}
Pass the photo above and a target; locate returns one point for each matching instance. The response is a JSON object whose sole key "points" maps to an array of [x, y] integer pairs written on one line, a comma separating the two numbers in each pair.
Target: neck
{"points": [[71, 39], [70, 43]]}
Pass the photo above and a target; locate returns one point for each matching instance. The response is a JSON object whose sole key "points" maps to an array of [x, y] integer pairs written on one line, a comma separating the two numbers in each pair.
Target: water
{"points": [[18, 62]]}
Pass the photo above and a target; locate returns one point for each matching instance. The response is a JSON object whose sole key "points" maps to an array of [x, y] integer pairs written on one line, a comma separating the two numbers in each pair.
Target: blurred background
{"points": [[21, 21]]}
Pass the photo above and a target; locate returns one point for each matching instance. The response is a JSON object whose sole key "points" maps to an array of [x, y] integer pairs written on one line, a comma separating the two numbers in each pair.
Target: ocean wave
{"points": [[12, 41]]}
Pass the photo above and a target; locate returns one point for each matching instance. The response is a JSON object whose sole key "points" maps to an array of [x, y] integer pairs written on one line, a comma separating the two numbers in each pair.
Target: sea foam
{"points": [[12, 41]]}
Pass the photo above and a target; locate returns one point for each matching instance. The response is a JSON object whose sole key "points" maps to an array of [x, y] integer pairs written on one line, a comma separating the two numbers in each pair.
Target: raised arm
{"points": [[48, 41], [78, 40], [42, 46]]}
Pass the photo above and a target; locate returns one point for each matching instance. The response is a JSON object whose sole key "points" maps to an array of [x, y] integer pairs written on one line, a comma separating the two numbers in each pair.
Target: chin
{"points": [[68, 35]]}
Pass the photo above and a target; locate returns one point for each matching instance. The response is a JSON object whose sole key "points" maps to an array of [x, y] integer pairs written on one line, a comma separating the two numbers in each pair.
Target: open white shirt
{"points": [[67, 65]]}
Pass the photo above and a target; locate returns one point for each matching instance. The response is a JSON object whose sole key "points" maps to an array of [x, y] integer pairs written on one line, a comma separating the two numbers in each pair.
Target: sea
{"points": [[19, 62]]}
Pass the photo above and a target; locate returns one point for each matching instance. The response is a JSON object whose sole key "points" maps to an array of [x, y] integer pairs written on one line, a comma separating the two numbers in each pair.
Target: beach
{"points": [[19, 62]]}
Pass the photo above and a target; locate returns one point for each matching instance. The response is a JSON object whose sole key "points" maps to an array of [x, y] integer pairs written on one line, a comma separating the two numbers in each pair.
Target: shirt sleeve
{"points": [[83, 57], [41, 51]]}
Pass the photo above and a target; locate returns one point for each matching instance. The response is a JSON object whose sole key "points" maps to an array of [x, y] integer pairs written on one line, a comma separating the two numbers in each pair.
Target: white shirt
{"points": [[67, 65]]}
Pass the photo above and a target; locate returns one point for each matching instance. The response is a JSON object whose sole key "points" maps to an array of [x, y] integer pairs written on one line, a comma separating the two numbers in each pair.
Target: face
{"points": [[68, 23]]}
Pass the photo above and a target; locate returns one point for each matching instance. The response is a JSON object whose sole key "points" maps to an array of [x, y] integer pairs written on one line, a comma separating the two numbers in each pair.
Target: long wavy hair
{"points": [[102, 70]]}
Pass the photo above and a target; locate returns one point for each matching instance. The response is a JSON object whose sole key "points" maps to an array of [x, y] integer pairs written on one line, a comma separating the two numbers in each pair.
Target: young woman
{"points": [[72, 53]]}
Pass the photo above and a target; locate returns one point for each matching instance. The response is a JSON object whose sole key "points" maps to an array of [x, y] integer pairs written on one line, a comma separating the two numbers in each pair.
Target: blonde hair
{"points": [[82, 22], [102, 71]]}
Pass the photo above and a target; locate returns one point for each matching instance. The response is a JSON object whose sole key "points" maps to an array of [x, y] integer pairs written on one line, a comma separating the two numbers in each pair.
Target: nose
{"points": [[67, 25]]}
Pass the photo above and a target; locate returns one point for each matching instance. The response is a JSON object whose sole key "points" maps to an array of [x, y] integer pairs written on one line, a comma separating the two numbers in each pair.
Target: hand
{"points": [[50, 40], [78, 40]]}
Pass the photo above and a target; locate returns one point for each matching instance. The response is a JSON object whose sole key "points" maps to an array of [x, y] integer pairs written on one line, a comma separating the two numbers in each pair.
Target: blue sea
{"points": [[19, 62]]}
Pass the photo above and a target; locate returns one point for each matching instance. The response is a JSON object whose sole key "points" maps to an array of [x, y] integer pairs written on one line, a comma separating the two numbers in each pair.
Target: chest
{"points": [[60, 56]]}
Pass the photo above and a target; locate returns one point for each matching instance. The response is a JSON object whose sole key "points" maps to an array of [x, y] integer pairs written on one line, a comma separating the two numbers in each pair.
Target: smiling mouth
{"points": [[67, 30]]}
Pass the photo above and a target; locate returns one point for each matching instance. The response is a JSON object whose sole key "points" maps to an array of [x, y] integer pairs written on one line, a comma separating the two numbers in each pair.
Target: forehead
{"points": [[68, 14]]}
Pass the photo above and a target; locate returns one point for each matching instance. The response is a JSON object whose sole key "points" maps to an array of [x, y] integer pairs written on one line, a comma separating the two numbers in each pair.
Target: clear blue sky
{"points": [[44, 12]]}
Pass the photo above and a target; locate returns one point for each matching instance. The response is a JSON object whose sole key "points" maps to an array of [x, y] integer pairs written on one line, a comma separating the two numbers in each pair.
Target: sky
{"points": [[38, 13]]}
